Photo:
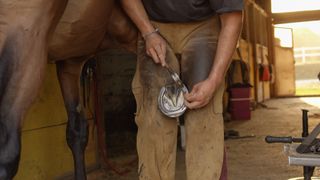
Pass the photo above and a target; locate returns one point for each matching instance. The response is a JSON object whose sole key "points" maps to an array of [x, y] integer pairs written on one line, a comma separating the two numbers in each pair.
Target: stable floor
{"points": [[249, 157]]}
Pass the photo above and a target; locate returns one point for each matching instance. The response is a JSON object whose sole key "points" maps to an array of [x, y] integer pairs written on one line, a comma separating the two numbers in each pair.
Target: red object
{"points": [[239, 103], [240, 114], [265, 76], [240, 92]]}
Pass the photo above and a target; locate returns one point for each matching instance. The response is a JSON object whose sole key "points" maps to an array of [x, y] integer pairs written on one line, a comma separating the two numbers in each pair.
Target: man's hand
{"points": [[200, 95], [156, 48], [155, 44]]}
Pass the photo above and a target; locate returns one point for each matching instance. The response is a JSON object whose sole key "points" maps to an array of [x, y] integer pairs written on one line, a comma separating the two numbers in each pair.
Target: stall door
{"points": [[284, 70]]}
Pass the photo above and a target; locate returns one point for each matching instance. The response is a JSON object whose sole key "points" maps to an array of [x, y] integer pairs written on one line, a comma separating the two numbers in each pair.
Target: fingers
{"points": [[197, 98], [157, 55], [161, 56], [163, 50], [194, 95], [195, 104], [151, 52], [193, 100]]}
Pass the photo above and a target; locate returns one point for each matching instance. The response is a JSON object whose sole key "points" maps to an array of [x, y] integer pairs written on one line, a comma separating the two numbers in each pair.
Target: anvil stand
{"points": [[300, 154], [307, 170]]}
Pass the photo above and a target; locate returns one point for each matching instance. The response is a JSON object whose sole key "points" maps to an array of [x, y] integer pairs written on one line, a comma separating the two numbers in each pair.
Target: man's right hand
{"points": [[156, 48]]}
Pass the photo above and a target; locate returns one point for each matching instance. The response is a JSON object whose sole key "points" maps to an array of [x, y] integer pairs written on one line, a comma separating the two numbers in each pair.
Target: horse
{"points": [[67, 32]]}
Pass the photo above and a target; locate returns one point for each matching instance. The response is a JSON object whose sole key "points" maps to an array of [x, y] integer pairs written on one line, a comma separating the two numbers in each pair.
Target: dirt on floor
{"points": [[249, 157]]}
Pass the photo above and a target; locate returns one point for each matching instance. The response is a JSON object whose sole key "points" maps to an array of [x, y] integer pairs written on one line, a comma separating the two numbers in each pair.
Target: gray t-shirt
{"points": [[188, 10]]}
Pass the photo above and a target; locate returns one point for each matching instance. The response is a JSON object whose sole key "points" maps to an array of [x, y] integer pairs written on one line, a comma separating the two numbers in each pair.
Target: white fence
{"points": [[307, 55]]}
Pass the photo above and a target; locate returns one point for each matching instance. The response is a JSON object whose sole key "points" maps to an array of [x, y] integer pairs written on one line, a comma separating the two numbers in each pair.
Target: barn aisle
{"points": [[249, 157]]}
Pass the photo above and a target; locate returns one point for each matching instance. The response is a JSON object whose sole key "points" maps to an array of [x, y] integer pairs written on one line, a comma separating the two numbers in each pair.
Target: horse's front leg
{"points": [[25, 27], [77, 126], [22, 65]]}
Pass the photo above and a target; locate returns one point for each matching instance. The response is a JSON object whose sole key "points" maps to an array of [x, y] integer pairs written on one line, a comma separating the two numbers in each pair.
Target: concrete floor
{"points": [[251, 158]]}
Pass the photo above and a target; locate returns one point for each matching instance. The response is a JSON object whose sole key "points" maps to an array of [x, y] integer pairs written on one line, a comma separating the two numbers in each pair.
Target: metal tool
{"points": [[305, 154], [287, 139], [171, 99], [175, 76], [310, 142]]}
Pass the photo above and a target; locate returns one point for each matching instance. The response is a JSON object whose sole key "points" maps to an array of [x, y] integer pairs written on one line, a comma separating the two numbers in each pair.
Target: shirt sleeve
{"points": [[223, 6]]}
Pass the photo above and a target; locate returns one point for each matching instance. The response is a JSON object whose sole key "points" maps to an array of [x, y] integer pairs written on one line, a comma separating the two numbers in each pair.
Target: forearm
{"points": [[231, 25], [137, 13]]}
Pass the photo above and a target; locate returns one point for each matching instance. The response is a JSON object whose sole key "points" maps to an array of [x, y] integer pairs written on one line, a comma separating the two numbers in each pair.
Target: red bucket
{"points": [[239, 103]]}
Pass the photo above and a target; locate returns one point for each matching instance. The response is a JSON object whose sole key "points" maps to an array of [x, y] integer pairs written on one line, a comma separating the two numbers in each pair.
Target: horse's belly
{"points": [[81, 29]]}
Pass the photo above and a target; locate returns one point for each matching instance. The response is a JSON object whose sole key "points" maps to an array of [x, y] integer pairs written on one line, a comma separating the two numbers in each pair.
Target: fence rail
{"points": [[307, 55]]}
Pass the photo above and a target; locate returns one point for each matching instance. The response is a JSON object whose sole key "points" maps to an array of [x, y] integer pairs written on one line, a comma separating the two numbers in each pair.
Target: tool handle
{"points": [[273, 139]]}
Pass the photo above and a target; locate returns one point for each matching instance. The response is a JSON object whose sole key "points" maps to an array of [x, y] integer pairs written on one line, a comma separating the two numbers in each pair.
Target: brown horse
{"points": [[66, 31]]}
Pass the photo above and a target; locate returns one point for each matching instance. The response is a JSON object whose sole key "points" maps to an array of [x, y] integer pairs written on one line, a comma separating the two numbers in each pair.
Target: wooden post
{"points": [[270, 32]]}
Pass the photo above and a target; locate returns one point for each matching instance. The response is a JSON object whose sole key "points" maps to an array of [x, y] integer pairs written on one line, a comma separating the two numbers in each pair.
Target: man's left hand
{"points": [[200, 95]]}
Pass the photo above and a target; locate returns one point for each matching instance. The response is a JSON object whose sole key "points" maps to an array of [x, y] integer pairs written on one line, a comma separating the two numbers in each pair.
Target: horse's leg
{"points": [[25, 27], [77, 126], [22, 65]]}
